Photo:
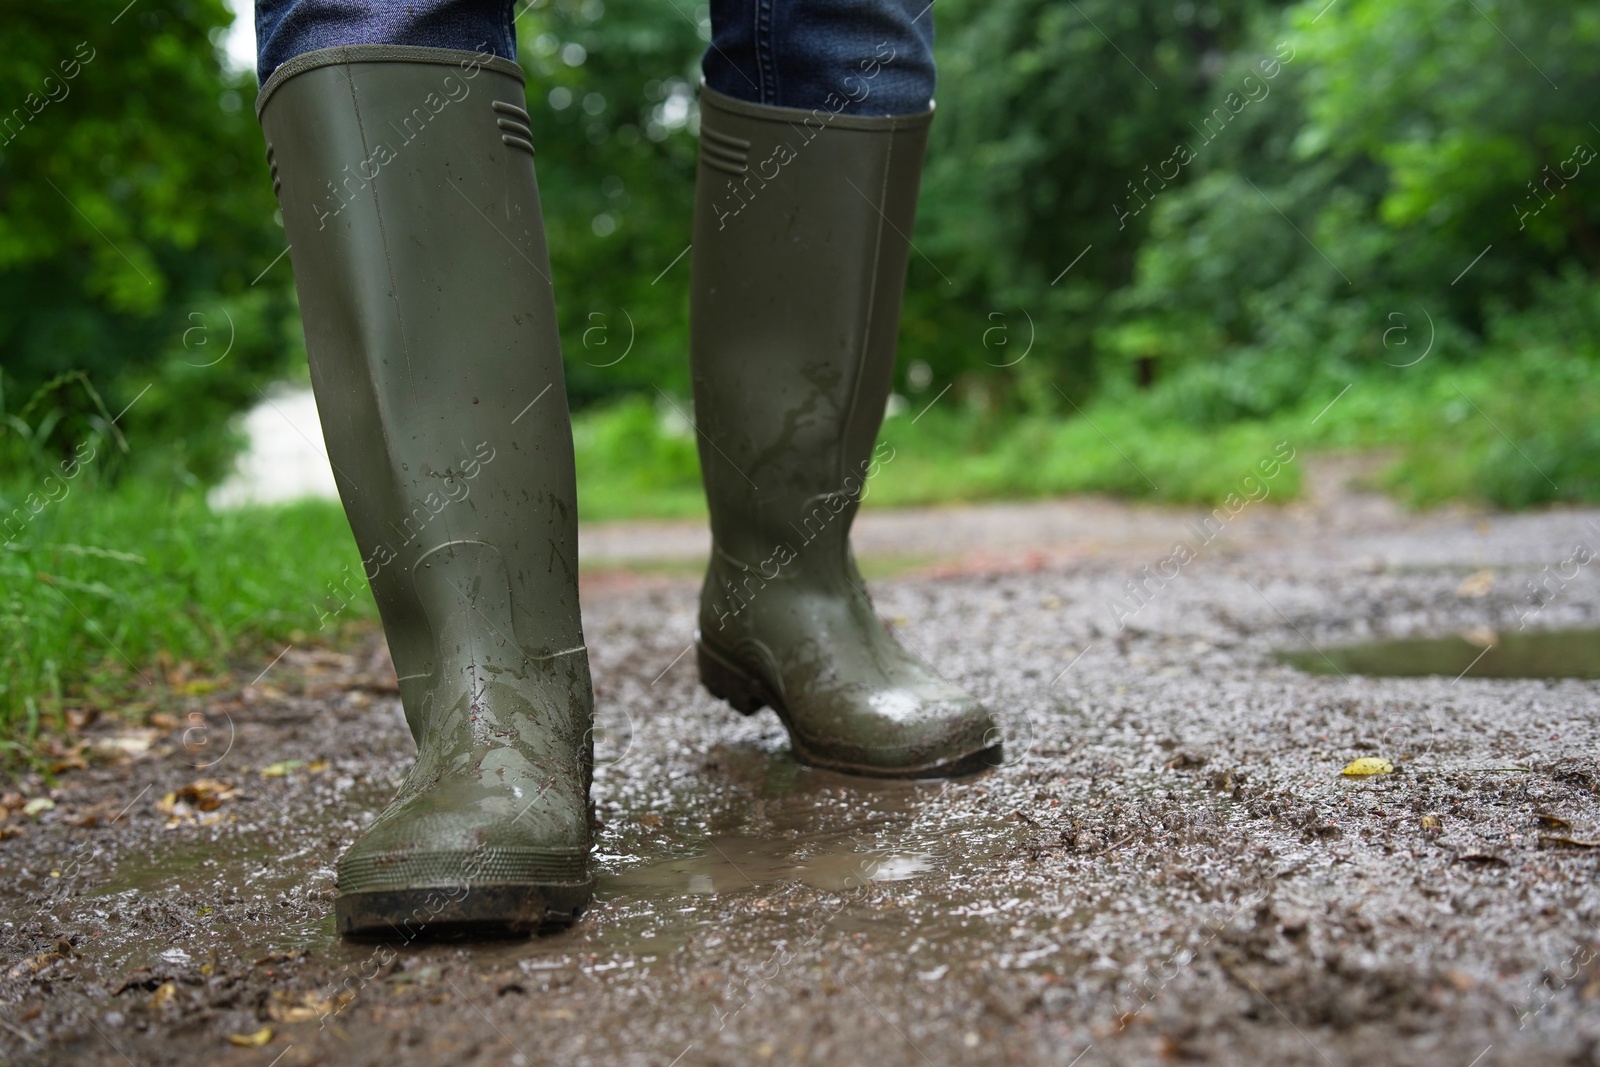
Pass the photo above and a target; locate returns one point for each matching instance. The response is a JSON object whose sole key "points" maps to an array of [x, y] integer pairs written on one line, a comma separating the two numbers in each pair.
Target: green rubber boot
{"points": [[800, 242], [407, 186]]}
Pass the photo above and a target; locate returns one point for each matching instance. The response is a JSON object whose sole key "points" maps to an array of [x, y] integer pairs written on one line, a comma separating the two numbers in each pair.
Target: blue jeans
{"points": [[789, 53]]}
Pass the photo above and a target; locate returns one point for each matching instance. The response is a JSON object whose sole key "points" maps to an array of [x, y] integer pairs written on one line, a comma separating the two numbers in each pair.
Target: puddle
{"points": [[755, 825], [1537, 654], [732, 865], [233, 865]]}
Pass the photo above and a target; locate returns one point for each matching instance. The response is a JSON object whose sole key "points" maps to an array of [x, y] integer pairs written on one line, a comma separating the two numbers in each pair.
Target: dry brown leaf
{"points": [[1483, 859], [206, 794], [123, 747], [1553, 841], [33, 964]]}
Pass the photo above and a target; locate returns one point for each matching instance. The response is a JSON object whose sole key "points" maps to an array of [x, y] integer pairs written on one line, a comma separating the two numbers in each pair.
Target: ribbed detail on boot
{"points": [[486, 866]]}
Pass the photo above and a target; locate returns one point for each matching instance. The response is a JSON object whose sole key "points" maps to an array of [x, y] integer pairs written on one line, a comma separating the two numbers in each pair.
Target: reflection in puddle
{"points": [[1537, 654], [234, 863], [754, 825], [737, 864]]}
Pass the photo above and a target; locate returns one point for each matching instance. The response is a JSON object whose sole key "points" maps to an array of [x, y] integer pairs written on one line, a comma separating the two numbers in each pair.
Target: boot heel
{"points": [[726, 682]]}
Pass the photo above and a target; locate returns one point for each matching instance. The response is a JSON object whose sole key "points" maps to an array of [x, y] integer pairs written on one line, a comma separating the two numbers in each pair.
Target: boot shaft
{"points": [[406, 179], [801, 233]]}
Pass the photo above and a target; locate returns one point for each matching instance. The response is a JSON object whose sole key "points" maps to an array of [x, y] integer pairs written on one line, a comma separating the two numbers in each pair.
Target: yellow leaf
{"points": [[282, 768], [1367, 766], [255, 1040], [290, 1008]]}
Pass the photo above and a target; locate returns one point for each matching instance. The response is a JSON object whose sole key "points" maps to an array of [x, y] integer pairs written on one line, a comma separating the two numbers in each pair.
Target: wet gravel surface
{"points": [[1170, 868]]}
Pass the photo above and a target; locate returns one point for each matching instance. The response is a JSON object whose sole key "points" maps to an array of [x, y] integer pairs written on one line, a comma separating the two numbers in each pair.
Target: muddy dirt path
{"points": [[1170, 868]]}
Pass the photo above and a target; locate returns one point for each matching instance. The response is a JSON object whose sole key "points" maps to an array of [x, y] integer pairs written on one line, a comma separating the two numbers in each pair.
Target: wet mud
{"points": [[1170, 868]]}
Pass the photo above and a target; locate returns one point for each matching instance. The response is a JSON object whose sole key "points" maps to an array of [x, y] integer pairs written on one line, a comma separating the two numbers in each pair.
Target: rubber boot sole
{"points": [[445, 912], [748, 694]]}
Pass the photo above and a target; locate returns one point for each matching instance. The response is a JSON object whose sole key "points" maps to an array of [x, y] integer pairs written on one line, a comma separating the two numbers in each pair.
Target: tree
{"points": [[135, 217]]}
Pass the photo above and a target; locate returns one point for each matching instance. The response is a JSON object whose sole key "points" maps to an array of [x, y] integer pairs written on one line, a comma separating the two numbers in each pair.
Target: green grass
{"points": [[1515, 431], [107, 592]]}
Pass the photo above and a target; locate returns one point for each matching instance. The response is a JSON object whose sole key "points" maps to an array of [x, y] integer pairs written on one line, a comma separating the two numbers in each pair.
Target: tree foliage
{"points": [[134, 216], [1432, 166], [1227, 201]]}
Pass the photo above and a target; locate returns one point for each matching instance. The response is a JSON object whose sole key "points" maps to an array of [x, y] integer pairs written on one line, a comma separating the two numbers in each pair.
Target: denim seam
{"points": [[766, 53], [345, 55], [843, 120]]}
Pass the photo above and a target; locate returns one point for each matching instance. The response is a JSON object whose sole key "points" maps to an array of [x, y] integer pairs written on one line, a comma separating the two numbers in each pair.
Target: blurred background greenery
{"points": [[1183, 226]]}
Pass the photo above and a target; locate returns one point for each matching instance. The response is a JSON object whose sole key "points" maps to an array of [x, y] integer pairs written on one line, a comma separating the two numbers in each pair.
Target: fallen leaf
{"points": [[38, 805], [78, 718], [1477, 584], [282, 768], [1480, 637], [123, 747], [1432, 823], [649, 820], [33, 964], [275, 957], [1551, 841], [255, 1040], [1483, 859], [163, 994], [139, 978], [422, 976], [72, 761], [288, 1008], [207, 794], [93, 816], [1552, 822], [1367, 766]]}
